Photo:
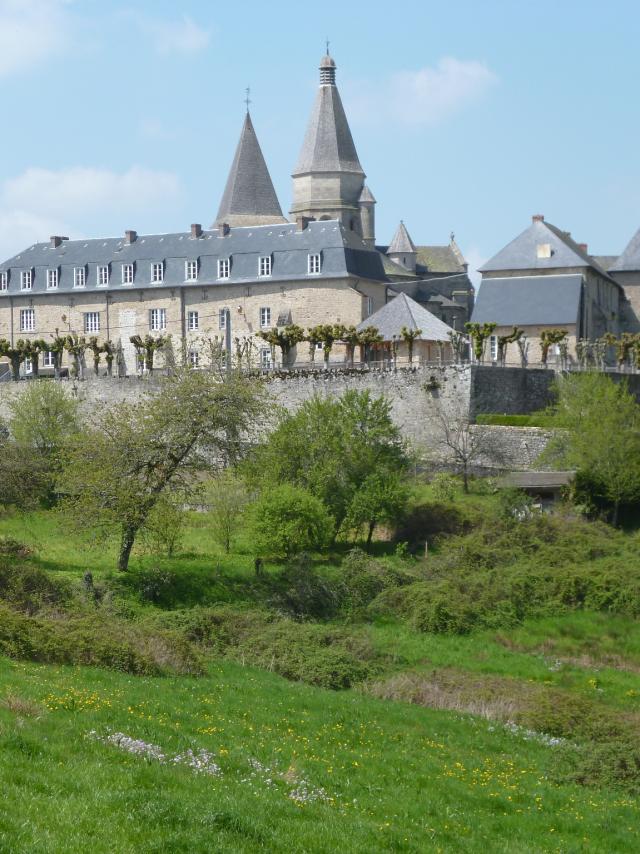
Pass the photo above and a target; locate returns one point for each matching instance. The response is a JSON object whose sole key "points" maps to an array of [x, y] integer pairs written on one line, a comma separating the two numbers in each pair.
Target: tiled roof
{"points": [[630, 258], [529, 300], [403, 311], [401, 241]]}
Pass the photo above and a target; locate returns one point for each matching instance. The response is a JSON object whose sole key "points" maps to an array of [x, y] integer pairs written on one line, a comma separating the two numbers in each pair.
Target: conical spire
{"points": [[328, 144], [401, 243], [249, 197]]}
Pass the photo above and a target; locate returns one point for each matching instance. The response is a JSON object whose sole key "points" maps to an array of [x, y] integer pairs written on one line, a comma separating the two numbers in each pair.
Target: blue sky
{"points": [[468, 116]]}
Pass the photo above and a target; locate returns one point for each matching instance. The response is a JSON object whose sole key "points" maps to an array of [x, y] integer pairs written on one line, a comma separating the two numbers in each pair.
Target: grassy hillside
{"points": [[489, 694]]}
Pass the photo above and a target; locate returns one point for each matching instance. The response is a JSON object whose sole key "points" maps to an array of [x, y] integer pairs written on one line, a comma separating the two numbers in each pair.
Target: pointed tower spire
{"points": [[328, 177], [249, 197], [402, 249]]}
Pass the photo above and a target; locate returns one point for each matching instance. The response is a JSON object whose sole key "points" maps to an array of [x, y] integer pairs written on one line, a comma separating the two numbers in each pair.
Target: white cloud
{"points": [[41, 202], [30, 31], [178, 36], [424, 97]]}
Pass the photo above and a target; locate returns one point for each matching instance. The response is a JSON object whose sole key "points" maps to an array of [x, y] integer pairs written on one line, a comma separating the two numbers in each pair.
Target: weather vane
{"points": [[247, 99]]}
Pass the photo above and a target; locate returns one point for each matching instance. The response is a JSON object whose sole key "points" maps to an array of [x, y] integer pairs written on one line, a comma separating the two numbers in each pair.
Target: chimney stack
{"points": [[196, 229], [223, 229], [537, 218], [584, 247], [56, 240], [302, 222], [130, 236]]}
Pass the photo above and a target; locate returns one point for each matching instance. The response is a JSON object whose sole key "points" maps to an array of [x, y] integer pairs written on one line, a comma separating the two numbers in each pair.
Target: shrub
{"points": [[13, 548], [612, 764], [288, 519], [363, 579], [30, 589], [156, 585], [444, 487], [302, 592]]}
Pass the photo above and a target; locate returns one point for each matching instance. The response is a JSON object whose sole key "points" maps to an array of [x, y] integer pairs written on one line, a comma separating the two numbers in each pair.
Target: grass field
{"points": [[452, 742]]}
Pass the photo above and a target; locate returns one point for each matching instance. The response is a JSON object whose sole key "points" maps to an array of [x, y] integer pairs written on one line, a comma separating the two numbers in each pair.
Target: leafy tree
{"points": [[409, 336], [96, 349], [548, 337], [31, 349], [164, 527], [109, 350], [382, 498], [370, 337], [600, 435], [57, 348], [148, 346], [287, 519], [227, 497], [286, 339], [329, 447], [15, 354], [504, 341], [479, 332], [116, 473], [75, 346], [351, 338]]}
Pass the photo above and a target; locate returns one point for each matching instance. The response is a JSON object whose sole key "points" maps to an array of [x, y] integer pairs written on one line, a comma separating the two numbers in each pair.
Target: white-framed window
{"points": [[28, 365], [26, 280], [222, 318], [102, 279], [79, 277], [265, 317], [27, 320], [194, 358], [224, 266], [52, 279], [157, 272], [127, 274], [92, 321], [193, 320], [313, 263], [157, 319], [493, 347], [47, 359], [4, 280], [264, 265], [190, 271], [265, 357], [369, 306]]}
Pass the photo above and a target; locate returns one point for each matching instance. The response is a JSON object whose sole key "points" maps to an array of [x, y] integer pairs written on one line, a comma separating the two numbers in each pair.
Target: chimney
{"points": [[584, 247], [223, 229], [196, 229], [130, 236], [302, 222], [56, 240], [537, 218]]}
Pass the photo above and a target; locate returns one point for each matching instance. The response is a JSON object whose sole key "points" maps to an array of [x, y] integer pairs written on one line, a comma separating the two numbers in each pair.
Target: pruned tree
{"points": [[549, 337], [459, 343], [409, 336], [351, 338], [286, 339], [504, 341], [76, 345], [109, 350], [57, 348], [116, 472], [96, 349], [147, 347], [370, 337], [479, 333], [15, 354]]}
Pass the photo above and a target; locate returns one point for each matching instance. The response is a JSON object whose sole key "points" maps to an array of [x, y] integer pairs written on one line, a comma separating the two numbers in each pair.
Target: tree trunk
{"points": [[372, 525], [126, 544], [616, 508], [465, 479]]}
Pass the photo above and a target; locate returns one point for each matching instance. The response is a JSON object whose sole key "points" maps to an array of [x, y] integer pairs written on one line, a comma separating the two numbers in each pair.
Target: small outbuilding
{"points": [[432, 342], [545, 488]]}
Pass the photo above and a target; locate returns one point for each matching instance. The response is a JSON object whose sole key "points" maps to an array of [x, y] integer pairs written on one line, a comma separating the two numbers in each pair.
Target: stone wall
{"points": [[509, 391]]}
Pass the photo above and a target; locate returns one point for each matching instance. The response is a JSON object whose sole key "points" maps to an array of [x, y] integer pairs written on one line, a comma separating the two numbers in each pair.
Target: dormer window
{"points": [[264, 265], [79, 277], [544, 250], [224, 266], [102, 276], [127, 274], [190, 271], [313, 263], [4, 280], [25, 280], [52, 280], [157, 272]]}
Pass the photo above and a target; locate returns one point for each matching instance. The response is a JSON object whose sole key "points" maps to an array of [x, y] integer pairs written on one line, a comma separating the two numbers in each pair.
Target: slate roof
{"points": [[342, 251], [403, 311], [401, 242], [438, 289], [529, 300], [630, 258], [536, 479], [366, 195], [607, 262], [249, 197], [328, 145], [522, 252]]}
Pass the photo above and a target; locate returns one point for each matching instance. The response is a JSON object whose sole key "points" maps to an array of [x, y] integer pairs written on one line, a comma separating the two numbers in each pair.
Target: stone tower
{"points": [[249, 197], [328, 180], [402, 249]]}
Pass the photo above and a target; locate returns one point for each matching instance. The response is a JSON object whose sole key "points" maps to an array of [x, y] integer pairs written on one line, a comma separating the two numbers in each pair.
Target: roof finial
{"points": [[328, 45], [247, 99]]}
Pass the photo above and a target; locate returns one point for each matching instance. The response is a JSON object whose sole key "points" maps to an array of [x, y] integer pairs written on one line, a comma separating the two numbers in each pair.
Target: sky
{"points": [[468, 116]]}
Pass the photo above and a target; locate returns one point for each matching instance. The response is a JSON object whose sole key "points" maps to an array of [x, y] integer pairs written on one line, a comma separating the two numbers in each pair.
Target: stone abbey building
{"points": [[253, 267]]}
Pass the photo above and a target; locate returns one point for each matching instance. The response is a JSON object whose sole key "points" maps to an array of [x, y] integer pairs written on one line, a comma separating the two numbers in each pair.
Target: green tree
{"points": [[227, 498], [479, 332], [286, 339], [599, 435], [329, 447], [75, 346], [15, 354], [382, 498], [409, 336], [115, 473], [287, 519], [147, 347], [548, 337]]}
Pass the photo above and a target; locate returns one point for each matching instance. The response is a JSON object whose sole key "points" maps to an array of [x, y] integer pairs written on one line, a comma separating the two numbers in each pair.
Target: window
{"points": [[369, 306], [52, 280], [191, 271], [79, 277], [157, 272], [222, 318], [193, 320], [27, 319], [493, 347], [92, 321], [25, 280], [47, 359], [264, 266], [313, 264], [127, 274], [544, 250], [224, 265], [157, 319], [103, 276], [265, 317], [194, 358], [28, 365], [265, 357], [4, 280]]}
